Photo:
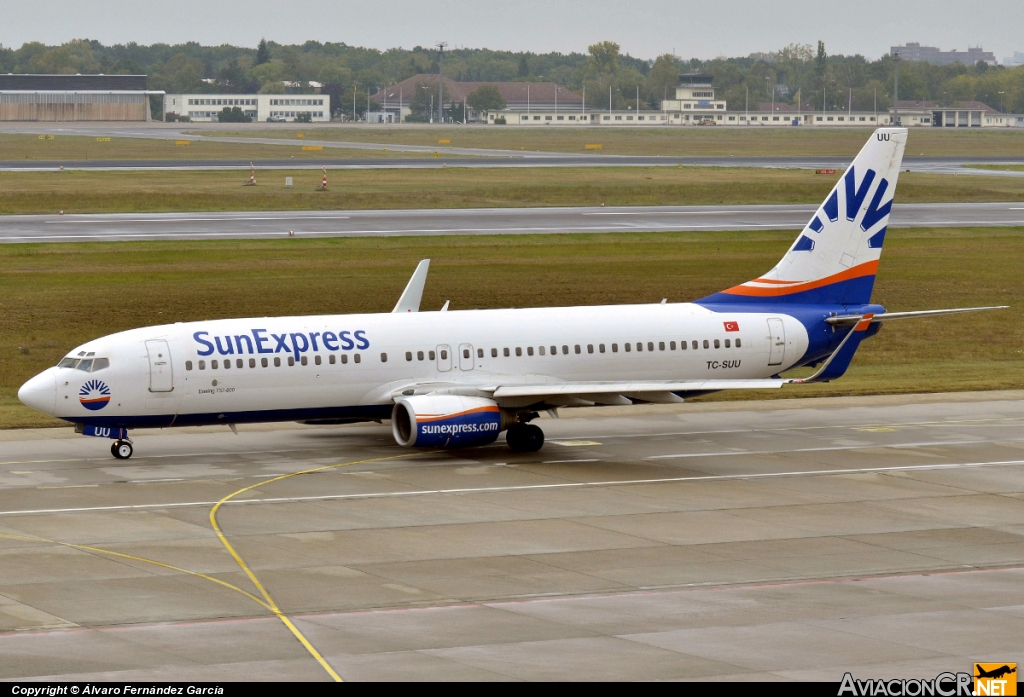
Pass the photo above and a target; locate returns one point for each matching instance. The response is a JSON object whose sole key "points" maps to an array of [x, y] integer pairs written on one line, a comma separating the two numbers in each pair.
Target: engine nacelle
{"points": [[446, 421]]}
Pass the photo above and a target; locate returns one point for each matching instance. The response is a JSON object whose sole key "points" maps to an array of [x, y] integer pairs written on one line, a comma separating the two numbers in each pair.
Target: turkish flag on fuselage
{"points": [[732, 326]]}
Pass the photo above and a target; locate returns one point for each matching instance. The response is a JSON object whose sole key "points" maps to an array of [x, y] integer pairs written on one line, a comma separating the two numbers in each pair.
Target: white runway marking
{"points": [[921, 444], [525, 487]]}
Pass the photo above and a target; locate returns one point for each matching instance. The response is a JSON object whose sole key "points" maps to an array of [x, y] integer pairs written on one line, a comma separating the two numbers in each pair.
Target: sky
{"points": [[643, 28]]}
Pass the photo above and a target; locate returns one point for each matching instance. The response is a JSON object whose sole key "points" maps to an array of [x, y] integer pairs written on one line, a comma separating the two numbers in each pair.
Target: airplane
{"points": [[451, 379], [995, 673]]}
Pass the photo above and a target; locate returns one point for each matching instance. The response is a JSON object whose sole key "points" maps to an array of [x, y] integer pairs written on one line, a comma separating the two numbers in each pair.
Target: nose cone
{"points": [[40, 392]]}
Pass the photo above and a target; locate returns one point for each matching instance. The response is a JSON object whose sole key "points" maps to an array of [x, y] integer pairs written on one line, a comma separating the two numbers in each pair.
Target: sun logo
{"points": [[94, 395]]}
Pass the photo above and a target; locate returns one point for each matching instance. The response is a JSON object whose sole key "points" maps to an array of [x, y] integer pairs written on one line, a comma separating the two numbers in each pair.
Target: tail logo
{"points": [[94, 395], [855, 196]]}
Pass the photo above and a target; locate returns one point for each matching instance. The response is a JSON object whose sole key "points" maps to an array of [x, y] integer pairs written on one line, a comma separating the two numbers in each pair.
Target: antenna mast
{"points": [[441, 45]]}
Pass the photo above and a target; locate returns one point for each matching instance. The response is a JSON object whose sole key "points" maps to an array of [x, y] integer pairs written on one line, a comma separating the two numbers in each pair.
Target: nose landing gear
{"points": [[121, 449], [524, 438]]}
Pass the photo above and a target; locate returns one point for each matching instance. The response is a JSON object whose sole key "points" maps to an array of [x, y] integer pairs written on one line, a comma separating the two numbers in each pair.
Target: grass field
{"points": [[1004, 168], [60, 148], [454, 187], [53, 296], [681, 141]]}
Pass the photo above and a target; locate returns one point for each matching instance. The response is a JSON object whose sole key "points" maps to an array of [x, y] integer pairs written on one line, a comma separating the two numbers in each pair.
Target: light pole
{"points": [[766, 81], [440, 80], [1001, 106], [355, 88], [896, 89]]}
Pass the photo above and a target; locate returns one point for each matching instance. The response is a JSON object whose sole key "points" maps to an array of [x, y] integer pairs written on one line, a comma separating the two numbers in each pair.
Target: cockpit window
{"points": [[89, 365]]}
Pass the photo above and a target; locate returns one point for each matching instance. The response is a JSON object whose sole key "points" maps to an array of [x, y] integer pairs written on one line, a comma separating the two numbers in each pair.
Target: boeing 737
{"points": [[460, 378]]}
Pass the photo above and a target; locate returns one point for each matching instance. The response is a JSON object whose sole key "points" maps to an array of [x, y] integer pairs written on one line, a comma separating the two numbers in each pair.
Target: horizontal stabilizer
{"points": [[853, 319]]}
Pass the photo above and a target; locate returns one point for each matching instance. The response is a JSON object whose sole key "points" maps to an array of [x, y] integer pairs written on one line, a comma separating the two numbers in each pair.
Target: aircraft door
{"points": [[777, 340], [444, 358], [466, 356], [161, 379]]}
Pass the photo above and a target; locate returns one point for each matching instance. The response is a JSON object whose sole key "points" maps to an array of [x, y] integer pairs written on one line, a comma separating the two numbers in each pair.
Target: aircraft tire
{"points": [[525, 438], [121, 449]]}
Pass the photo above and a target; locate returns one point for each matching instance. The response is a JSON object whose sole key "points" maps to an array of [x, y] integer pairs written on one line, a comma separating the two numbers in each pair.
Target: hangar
{"points": [[74, 98]]}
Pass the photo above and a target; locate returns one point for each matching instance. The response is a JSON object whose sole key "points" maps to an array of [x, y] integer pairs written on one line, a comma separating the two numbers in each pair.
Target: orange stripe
{"points": [[869, 268], [97, 399], [422, 419]]}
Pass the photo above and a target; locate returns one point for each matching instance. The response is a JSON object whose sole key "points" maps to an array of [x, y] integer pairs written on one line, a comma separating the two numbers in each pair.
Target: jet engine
{"points": [[447, 421]]}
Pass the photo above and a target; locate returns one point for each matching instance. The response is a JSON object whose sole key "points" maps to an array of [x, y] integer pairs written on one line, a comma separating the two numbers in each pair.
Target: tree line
{"points": [[795, 74]]}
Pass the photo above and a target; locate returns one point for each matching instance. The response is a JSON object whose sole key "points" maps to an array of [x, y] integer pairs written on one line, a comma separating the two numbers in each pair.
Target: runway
{"points": [[485, 159], [493, 221], [794, 539]]}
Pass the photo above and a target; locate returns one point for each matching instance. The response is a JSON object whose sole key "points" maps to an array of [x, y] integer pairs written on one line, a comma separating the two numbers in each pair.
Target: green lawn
{"points": [[454, 187], [678, 141], [54, 296]]}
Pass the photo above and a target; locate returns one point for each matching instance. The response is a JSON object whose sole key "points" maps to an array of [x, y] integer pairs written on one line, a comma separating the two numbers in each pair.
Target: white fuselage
{"points": [[238, 370]]}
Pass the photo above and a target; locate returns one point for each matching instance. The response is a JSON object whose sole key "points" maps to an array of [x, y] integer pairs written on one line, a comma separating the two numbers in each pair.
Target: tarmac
{"points": [[768, 540], [493, 221]]}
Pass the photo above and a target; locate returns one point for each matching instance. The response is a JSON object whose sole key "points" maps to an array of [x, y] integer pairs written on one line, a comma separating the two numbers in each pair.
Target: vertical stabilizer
{"points": [[835, 257]]}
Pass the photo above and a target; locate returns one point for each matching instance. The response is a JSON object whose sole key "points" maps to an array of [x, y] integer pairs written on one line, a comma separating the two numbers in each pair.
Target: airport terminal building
{"points": [[74, 98], [258, 107]]}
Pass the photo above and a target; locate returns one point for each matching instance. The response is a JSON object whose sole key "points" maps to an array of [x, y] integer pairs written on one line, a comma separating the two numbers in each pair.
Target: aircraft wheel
{"points": [[121, 449], [525, 438]]}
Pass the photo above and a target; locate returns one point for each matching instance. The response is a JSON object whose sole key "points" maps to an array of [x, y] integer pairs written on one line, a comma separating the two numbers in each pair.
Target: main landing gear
{"points": [[121, 449], [525, 438]]}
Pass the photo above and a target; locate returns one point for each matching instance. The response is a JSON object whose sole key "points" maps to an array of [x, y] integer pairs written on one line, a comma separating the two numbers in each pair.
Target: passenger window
{"points": [[344, 358], [615, 348], [716, 343], [305, 361], [419, 355], [590, 348], [504, 352], [639, 346], [202, 365], [239, 363], [479, 353], [357, 358], [565, 350], [628, 346], [706, 344], [431, 354], [494, 353], [529, 350], [727, 343], [600, 347], [541, 350], [695, 344], [661, 346], [330, 359], [227, 364], [252, 362], [465, 353], [316, 359], [408, 355], [672, 345], [650, 346], [519, 350], [682, 345], [738, 343], [576, 348], [188, 365], [554, 350], [213, 365], [384, 358], [277, 362], [291, 360], [444, 355]]}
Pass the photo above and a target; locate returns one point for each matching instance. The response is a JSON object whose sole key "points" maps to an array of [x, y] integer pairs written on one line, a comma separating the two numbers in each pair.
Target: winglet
{"points": [[413, 293]]}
